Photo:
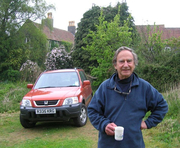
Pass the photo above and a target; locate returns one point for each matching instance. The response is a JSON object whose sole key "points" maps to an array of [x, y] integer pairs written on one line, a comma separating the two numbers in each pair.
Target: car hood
{"points": [[52, 93]]}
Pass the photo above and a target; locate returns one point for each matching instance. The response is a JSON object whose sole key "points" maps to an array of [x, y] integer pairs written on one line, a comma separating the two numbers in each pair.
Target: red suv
{"points": [[58, 95]]}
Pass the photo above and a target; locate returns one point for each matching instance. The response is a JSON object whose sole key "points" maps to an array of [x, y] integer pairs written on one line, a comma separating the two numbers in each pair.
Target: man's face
{"points": [[125, 64]]}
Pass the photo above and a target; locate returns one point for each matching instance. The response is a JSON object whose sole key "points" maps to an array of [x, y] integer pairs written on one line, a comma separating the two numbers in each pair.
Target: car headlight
{"points": [[71, 100], [26, 103]]}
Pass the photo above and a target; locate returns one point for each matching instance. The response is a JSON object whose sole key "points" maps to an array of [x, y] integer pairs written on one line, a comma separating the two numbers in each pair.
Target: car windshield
{"points": [[58, 79]]}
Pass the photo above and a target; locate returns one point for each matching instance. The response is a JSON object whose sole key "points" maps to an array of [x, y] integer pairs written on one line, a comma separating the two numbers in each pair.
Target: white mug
{"points": [[119, 133]]}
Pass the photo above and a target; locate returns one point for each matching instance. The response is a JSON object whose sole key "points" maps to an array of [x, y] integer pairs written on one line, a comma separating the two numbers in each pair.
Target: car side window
{"points": [[83, 76]]}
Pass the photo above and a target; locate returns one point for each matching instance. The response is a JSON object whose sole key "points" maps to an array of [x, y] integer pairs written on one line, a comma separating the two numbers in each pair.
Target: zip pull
{"points": [[125, 97]]}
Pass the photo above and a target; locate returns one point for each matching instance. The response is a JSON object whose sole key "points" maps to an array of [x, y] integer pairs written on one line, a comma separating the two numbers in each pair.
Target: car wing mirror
{"points": [[30, 86], [86, 82]]}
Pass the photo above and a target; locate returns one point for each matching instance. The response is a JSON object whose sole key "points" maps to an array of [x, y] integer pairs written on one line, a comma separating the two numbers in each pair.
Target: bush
{"points": [[58, 58], [156, 75], [162, 76], [10, 75], [30, 71]]}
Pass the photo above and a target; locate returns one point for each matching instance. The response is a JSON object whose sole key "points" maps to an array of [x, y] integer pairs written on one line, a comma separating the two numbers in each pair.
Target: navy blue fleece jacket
{"points": [[128, 111]]}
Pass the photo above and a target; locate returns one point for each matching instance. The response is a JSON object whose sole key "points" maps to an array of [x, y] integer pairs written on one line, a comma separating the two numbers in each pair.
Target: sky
{"points": [[144, 12]]}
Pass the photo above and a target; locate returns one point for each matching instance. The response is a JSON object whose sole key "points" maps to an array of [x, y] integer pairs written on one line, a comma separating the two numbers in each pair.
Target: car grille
{"points": [[46, 102]]}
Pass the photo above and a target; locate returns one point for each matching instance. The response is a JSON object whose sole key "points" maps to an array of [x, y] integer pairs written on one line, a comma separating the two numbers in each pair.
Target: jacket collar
{"points": [[111, 84]]}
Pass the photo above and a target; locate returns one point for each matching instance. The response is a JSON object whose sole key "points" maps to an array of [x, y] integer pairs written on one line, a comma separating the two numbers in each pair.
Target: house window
{"points": [[27, 40], [49, 44]]}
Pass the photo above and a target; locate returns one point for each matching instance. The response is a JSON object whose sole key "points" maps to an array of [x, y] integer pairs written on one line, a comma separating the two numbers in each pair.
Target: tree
{"points": [[81, 57], [107, 38], [12, 14], [158, 59], [88, 23], [153, 46]]}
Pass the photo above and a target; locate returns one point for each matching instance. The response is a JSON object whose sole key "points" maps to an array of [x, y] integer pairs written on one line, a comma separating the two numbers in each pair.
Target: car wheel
{"points": [[81, 120], [26, 123]]}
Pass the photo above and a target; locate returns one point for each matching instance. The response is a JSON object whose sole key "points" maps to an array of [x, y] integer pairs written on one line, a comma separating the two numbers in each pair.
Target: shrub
{"points": [[30, 71], [162, 76], [10, 75], [58, 58]]}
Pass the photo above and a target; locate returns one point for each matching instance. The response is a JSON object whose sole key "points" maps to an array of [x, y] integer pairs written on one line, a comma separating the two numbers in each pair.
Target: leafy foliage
{"points": [[88, 23], [15, 58], [56, 44], [29, 71], [153, 49], [10, 75], [159, 62], [68, 46], [107, 38], [36, 43], [58, 58], [13, 13]]}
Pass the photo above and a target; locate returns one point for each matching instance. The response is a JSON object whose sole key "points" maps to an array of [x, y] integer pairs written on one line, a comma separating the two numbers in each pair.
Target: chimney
{"points": [[49, 15], [48, 21], [71, 27]]}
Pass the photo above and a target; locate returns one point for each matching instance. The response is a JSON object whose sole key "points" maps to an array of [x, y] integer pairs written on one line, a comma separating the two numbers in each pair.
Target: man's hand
{"points": [[143, 125], [109, 129]]}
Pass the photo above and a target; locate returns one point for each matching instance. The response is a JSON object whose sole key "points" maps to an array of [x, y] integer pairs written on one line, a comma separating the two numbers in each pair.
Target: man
{"points": [[123, 100]]}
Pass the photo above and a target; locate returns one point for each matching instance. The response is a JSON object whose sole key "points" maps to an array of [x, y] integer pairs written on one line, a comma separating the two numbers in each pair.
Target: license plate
{"points": [[46, 111]]}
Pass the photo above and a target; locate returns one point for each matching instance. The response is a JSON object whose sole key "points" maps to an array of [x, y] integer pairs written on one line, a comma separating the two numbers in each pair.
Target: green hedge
{"points": [[163, 77]]}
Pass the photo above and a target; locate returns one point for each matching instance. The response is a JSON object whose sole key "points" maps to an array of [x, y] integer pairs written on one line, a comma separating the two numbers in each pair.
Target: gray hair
{"points": [[125, 48]]}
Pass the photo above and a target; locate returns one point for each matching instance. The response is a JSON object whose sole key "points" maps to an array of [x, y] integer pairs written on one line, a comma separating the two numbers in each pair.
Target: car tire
{"points": [[26, 123], [81, 120]]}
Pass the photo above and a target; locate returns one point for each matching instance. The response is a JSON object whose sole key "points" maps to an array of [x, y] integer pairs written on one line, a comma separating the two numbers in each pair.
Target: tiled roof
{"points": [[57, 34], [166, 32]]}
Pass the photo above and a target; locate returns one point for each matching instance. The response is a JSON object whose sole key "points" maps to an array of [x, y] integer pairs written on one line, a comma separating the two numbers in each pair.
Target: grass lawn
{"points": [[65, 135], [49, 134]]}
